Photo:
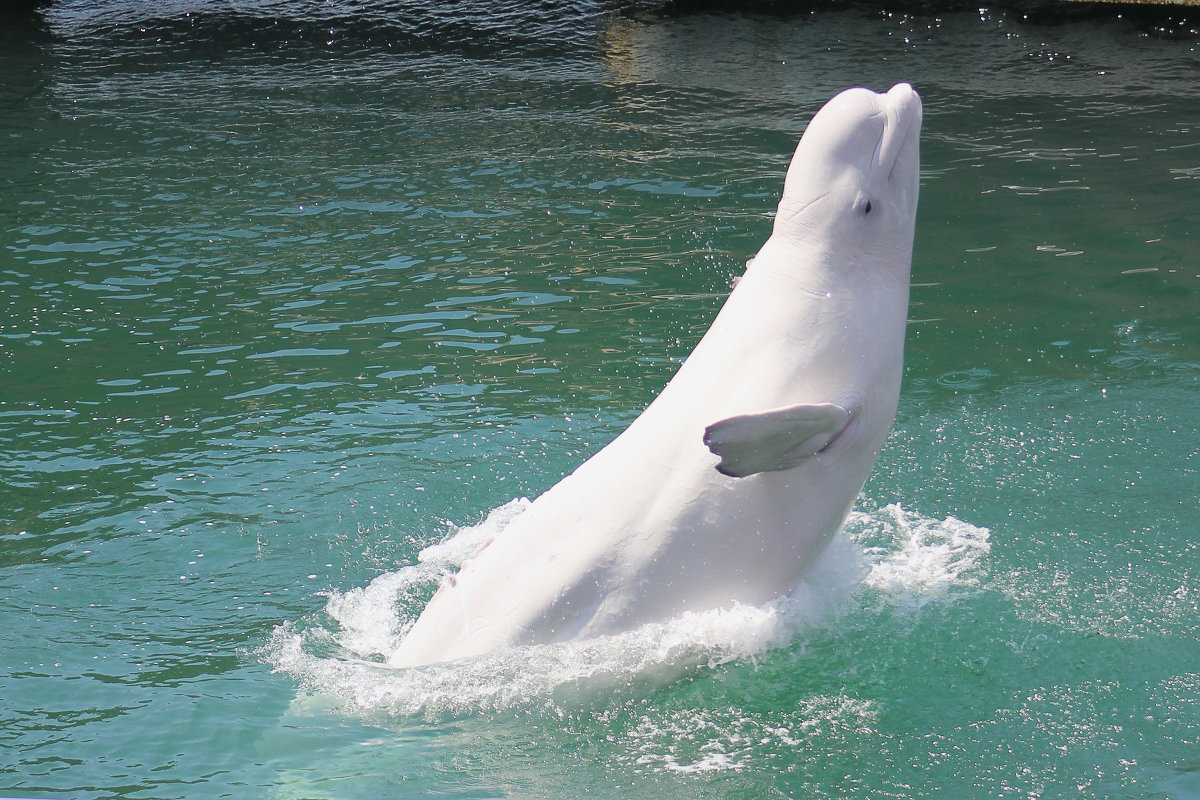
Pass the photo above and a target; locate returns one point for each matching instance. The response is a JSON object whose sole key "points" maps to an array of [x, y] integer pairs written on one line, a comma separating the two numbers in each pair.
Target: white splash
{"points": [[920, 559], [893, 555], [699, 740]]}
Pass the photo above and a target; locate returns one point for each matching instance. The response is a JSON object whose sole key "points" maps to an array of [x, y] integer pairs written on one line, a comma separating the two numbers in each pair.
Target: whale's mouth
{"points": [[902, 111]]}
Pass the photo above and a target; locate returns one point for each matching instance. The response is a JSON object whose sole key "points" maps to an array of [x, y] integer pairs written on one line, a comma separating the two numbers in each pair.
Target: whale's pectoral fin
{"points": [[774, 440]]}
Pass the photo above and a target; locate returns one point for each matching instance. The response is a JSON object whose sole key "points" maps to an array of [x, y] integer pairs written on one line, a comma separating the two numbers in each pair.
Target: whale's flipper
{"points": [[773, 440]]}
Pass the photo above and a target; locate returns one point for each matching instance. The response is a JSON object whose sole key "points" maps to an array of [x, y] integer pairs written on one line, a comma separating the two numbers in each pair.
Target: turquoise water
{"points": [[289, 292]]}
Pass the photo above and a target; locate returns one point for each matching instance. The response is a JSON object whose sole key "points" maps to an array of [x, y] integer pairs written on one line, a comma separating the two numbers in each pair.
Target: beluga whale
{"points": [[734, 479]]}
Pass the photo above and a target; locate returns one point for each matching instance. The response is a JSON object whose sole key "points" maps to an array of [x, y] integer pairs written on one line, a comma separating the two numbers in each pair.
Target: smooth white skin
{"points": [[648, 528]]}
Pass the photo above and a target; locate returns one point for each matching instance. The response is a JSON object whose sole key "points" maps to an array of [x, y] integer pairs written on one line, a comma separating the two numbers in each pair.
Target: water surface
{"points": [[288, 291]]}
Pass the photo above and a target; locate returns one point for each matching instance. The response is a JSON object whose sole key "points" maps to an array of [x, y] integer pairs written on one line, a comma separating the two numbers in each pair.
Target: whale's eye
{"points": [[866, 208]]}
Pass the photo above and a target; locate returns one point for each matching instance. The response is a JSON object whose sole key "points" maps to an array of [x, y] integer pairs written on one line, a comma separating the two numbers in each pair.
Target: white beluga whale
{"points": [[734, 479]]}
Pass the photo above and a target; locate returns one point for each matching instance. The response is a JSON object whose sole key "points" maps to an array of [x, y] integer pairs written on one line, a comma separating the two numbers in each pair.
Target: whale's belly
{"points": [[612, 547]]}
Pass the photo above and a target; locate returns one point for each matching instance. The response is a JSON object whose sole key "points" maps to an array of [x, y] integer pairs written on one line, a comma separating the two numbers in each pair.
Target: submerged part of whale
{"points": [[734, 479]]}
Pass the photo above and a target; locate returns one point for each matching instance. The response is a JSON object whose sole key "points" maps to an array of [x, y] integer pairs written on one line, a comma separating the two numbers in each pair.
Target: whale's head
{"points": [[854, 176]]}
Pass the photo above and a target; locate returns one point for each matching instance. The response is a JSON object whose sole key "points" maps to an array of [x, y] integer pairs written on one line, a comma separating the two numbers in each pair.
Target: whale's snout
{"points": [[902, 110], [904, 99]]}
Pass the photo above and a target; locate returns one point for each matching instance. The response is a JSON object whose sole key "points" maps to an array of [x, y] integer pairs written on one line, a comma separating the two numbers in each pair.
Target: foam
{"points": [[923, 559], [731, 739], [891, 556]]}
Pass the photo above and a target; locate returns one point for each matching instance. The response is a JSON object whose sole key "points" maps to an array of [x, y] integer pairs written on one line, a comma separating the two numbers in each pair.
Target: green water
{"points": [[287, 288]]}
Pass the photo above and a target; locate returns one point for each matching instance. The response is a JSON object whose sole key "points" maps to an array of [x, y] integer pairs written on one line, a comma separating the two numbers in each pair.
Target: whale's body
{"points": [[738, 474]]}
